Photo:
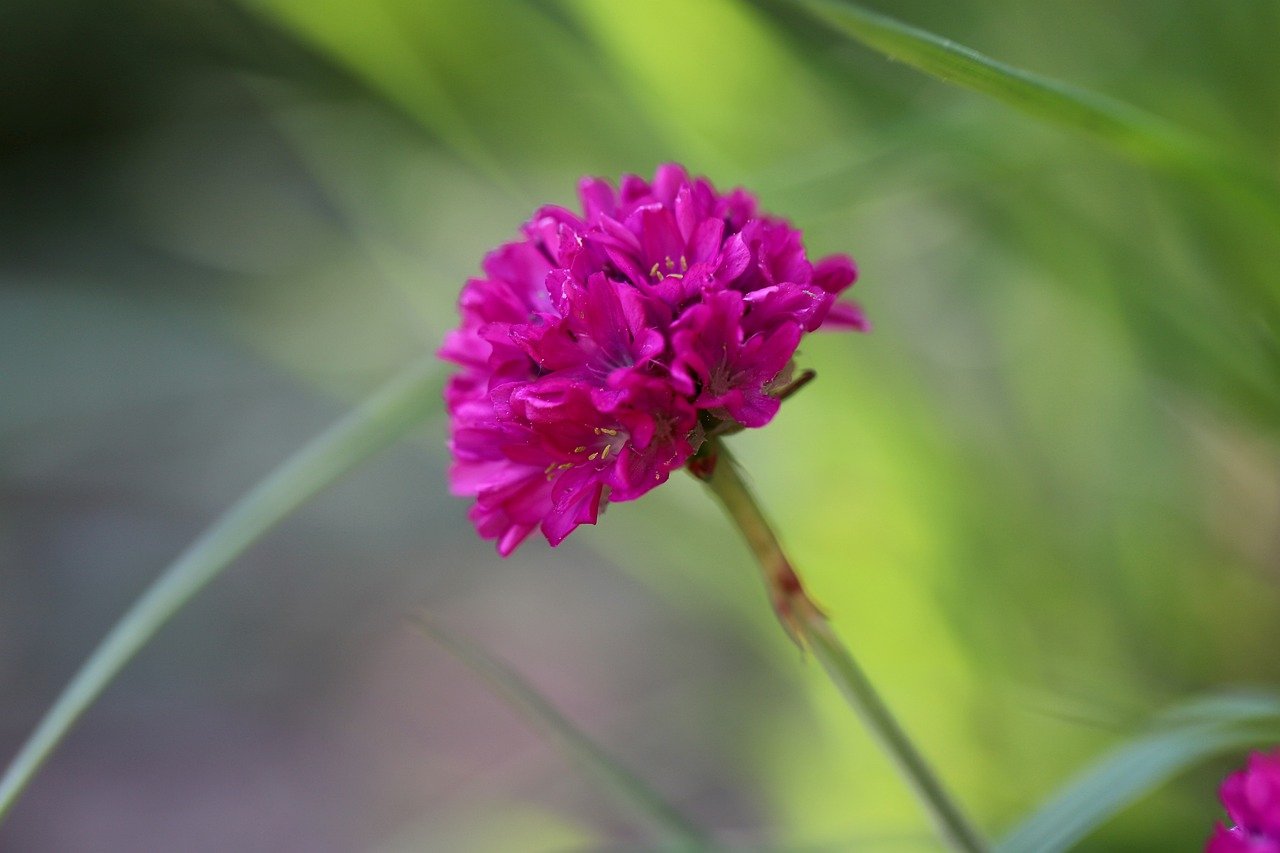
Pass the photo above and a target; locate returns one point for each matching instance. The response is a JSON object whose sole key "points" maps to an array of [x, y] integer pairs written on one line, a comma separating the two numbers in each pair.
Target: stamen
{"points": [[553, 468]]}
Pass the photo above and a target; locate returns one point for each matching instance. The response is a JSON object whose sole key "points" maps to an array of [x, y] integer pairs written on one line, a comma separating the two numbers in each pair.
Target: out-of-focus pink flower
{"points": [[1252, 799], [596, 352]]}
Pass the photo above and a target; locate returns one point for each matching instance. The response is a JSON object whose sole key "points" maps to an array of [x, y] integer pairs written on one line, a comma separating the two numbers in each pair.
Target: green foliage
{"points": [[1185, 736], [1040, 500], [1133, 131]]}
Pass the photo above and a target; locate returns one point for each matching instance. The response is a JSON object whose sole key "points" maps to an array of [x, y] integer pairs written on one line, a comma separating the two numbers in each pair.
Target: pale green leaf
{"points": [[1188, 734]]}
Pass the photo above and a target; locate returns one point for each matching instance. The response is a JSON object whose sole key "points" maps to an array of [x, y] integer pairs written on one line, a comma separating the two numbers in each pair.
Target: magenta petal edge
{"points": [[1252, 799], [596, 352]]}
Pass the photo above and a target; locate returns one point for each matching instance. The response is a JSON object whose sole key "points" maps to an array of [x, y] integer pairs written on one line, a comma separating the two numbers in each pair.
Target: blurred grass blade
{"points": [[1136, 132], [1228, 708], [1207, 728], [375, 44], [384, 417], [678, 832]]}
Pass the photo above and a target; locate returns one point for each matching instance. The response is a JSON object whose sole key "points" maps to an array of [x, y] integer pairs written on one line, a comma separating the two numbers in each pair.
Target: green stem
{"points": [[808, 627], [376, 423]]}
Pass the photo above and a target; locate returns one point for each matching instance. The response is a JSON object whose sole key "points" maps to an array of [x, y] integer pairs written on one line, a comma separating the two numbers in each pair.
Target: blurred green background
{"points": [[1040, 501]]}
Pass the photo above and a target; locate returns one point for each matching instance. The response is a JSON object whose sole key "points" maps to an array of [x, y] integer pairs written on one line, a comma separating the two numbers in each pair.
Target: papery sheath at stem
{"points": [[806, 624], [795, 610]]}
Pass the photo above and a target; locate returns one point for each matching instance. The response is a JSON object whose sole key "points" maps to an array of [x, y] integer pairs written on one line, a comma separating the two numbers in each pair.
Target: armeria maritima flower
{"points": [[597, 351], [1252, 798]]}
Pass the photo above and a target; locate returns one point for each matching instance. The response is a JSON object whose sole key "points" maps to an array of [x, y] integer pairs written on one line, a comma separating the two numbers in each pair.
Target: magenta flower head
{"points": [[597, 352], [1252, 798]]}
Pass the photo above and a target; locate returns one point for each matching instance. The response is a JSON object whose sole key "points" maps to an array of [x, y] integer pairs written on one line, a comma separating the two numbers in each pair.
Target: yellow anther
{"points": [[608, 431], [653, 273], [579, 449], [593, 456], [604, 454]]}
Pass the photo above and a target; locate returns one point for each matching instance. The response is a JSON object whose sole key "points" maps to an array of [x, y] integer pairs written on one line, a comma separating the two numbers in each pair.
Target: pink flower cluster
{"points": [[1252, 798], [598, 350]]}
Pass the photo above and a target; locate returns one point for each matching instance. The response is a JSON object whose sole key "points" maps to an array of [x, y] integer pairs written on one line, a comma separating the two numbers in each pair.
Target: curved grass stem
{"points": [[809, 628], [677, 832], [376, 423]]}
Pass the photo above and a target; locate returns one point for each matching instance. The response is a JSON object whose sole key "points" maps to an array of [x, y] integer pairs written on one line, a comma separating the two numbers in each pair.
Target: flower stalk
{"points": [[806, 624]]}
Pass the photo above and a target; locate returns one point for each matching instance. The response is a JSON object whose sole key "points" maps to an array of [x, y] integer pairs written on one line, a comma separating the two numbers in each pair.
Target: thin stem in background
{"points": [[677, 830], [384, 417], [809, 628]]}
